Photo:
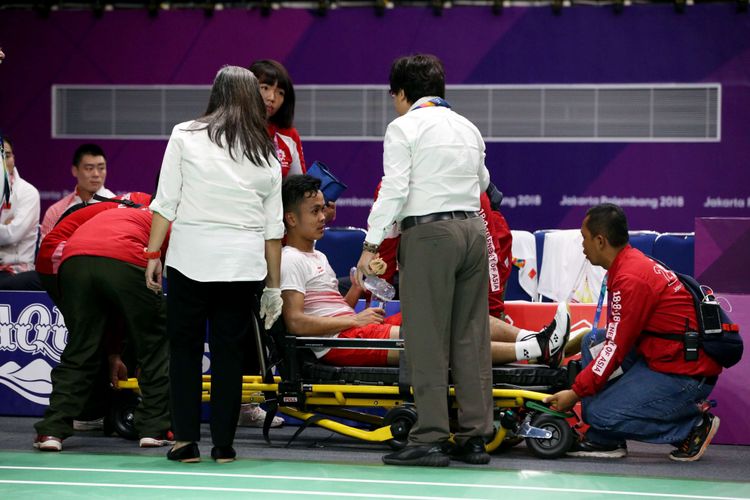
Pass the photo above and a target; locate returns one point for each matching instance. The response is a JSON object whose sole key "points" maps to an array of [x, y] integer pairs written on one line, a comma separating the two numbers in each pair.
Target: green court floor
{"points": [[35, 475]]}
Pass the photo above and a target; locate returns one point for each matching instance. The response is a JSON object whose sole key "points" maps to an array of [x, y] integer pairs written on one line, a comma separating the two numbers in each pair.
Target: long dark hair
{"points": [[273, 72], [237, 114]]}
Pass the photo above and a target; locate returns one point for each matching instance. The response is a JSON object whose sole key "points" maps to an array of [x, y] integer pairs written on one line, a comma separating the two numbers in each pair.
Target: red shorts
{"points": [[363, 357]]}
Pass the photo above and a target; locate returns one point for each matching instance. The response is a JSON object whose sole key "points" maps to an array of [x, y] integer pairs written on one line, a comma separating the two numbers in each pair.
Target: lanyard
{"points": [[598, 313], [435, 101]]}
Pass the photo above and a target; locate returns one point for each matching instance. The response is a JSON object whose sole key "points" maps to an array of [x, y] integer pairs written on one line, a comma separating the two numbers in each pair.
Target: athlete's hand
{"points": [[371, 315]]}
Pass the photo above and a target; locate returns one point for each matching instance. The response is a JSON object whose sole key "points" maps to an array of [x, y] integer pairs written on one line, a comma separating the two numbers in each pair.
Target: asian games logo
{"points": [[36, 332]]}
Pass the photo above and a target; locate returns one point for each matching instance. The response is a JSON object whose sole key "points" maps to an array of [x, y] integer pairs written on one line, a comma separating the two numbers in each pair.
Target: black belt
{"points": [[705, 380], [413, 220]]}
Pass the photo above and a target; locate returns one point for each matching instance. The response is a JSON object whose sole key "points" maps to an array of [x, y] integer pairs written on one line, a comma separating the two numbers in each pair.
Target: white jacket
{"points": [[18, 238]]}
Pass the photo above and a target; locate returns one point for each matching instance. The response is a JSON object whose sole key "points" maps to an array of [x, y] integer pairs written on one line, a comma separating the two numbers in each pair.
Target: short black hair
{"points": [[418, 76], [7, 139], [271, 72], [87, 149], [296, 188], [608, 220]]}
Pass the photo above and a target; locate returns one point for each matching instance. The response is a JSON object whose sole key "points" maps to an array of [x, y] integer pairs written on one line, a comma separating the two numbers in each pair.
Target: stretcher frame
{"points": [[519, 411]]}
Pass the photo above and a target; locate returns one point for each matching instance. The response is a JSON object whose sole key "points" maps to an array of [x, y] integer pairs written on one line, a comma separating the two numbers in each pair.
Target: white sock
{"points": [[527, 346], [523, 334]]}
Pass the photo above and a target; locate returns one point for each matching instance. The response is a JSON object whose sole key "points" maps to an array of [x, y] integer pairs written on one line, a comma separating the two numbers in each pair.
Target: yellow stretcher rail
{"points": [[354, 396], [340, 394]]}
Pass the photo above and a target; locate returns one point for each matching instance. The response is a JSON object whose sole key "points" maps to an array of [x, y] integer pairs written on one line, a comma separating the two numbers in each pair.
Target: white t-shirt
{"points": [[223, 209], [310, 274]]}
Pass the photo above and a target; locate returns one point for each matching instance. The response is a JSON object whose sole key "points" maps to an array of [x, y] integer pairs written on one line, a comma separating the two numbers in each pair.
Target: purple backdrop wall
{"points": [[646, 44]]}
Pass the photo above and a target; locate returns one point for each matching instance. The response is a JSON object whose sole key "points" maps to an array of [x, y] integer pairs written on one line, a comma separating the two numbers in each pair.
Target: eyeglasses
{"points": [[392, 93]]}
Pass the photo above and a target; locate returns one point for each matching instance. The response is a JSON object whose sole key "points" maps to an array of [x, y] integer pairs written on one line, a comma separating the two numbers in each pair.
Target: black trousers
{"points": [[100, 398], [92, 290], [28, 280], [226, 307]]}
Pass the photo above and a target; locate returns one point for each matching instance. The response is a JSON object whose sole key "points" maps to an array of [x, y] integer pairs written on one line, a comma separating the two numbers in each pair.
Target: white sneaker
{"points": [[154, 442], [553, 337], [252, 415], [47, 443], [88, 425]]}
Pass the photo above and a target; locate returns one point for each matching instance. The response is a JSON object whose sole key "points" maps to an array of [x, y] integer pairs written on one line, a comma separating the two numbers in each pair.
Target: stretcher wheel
{"points": [[558, 444], [401, 420], [122, 414]]}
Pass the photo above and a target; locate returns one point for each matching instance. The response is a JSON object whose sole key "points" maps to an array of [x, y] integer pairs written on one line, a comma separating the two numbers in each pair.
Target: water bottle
{"points": [[381, 290]]}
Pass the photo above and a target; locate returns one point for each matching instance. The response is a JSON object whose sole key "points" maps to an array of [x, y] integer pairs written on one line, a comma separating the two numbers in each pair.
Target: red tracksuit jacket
{"points": [[643, 296]]}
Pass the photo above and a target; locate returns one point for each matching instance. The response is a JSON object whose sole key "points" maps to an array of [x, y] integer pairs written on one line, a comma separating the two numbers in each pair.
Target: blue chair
{"points": [[342, 246], [643, 241], [391, 308], [676, 250]]}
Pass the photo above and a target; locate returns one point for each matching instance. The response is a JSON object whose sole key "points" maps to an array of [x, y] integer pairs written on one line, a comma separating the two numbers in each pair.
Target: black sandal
{"points": [[223, 454], [185, 454]]}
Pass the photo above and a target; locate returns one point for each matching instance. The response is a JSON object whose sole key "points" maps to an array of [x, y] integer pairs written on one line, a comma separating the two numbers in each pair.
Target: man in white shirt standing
{"points": [[434, 171], [90, 170], [19, 221]]}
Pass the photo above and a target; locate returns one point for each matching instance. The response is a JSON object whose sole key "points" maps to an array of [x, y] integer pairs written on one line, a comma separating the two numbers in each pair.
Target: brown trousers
{"points": [[444, 276]]}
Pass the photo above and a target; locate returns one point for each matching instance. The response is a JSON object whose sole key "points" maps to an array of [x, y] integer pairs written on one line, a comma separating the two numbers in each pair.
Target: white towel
{"points": [[524, 249], [566, 273]]}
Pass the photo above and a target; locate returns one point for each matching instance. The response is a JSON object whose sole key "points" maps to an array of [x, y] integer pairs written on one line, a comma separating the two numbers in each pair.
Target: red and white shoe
{"points": [[165, 439], [47, 443]]}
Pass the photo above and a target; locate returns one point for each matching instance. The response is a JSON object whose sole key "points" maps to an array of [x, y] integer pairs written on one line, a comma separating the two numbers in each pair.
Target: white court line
{"points": [[326, 494], [348, 480]]}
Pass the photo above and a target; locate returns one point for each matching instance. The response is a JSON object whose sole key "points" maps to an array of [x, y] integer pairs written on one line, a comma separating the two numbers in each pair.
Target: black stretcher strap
{"points": [[266, 369], [307, 423]]}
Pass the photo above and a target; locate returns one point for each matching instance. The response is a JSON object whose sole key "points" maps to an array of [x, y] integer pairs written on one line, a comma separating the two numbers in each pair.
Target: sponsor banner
{"points": [[32, 338]]}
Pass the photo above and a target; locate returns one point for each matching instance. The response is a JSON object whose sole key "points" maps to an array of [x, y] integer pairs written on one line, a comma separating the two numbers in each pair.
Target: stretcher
{"points": [[342, 399]]}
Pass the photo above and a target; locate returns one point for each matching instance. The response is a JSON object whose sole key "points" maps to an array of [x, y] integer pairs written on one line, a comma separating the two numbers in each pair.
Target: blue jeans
{"points": [[642, 405]]}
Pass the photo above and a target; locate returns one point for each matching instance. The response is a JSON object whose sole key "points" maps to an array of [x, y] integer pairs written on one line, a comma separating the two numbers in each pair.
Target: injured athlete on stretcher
{"points": [[313, 305]]}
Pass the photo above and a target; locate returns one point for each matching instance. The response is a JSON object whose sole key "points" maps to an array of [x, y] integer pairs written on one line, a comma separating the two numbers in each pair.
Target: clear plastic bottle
{"points": [[381, 290]]}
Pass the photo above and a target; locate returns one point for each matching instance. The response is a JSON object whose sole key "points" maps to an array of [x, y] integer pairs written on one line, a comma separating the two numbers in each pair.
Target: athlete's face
{"points": [[309, 220]]}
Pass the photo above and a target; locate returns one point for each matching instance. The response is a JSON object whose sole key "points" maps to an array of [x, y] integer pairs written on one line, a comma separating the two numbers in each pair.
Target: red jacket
{"points": [[116, 234], [288, 149], [50, 251], [499, 242], [643, 296]]}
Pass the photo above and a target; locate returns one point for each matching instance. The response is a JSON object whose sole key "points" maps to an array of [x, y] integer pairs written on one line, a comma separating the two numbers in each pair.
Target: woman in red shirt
{"points": [[278, 95]]}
